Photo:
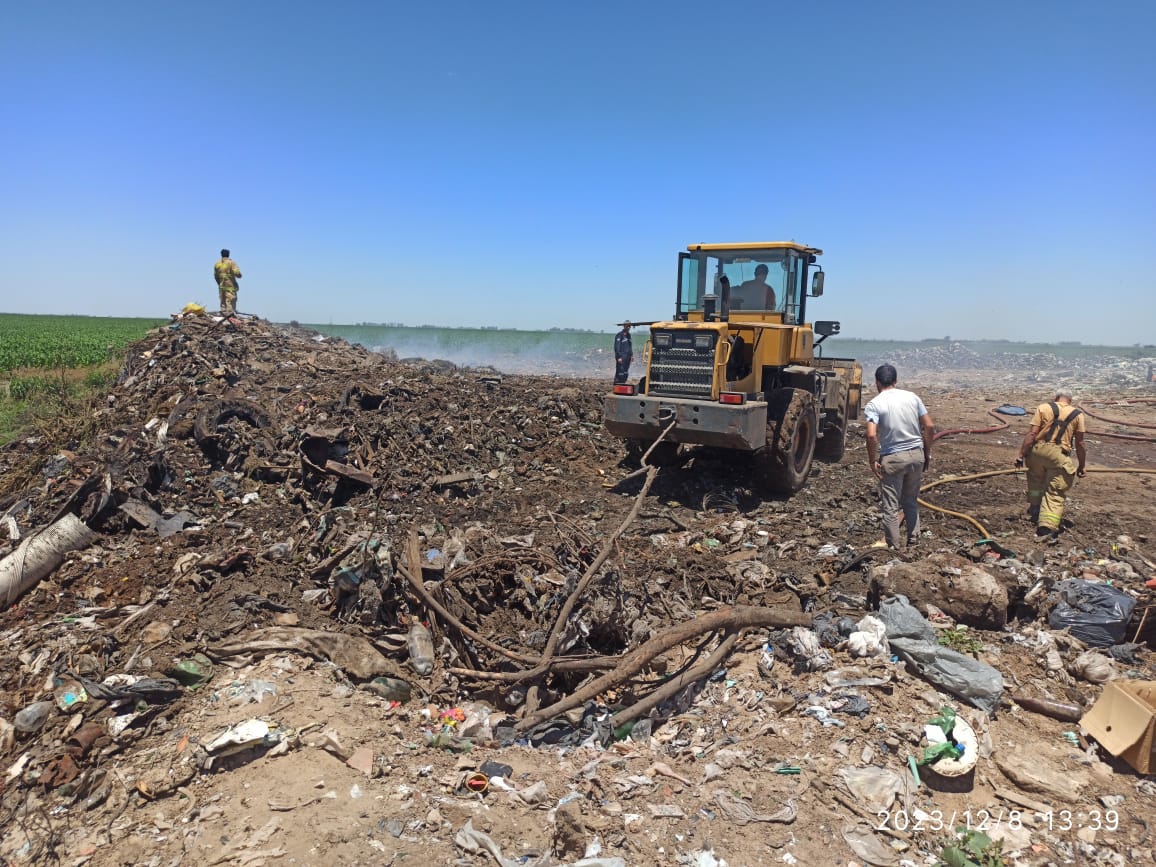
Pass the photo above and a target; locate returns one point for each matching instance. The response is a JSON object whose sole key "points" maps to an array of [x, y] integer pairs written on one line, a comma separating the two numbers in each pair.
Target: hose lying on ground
{"points": [[1083, 406], [1004, 424], [1010, 470]]}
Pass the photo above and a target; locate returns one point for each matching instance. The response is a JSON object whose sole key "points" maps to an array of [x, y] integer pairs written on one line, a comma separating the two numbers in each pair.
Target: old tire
{"points": [[791, 438], [214, 414]]}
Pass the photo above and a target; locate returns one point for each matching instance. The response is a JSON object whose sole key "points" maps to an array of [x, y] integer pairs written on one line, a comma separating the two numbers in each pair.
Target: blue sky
{"points": [[979, 169]]}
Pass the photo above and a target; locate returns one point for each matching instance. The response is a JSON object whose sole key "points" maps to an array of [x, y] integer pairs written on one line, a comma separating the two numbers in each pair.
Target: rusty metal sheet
{"points": [[346, 471]]}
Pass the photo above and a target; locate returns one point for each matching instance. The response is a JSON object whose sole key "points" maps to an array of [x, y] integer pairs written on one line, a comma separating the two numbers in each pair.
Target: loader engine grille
{"points": [[682, 363]]}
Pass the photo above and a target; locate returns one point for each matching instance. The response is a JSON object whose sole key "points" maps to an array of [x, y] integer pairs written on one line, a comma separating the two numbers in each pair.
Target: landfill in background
{"points": [[280, 599]]}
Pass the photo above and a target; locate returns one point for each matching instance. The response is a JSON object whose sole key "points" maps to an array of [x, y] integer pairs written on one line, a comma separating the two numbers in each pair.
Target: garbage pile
{"points": [[281, 597], [961, 363]]}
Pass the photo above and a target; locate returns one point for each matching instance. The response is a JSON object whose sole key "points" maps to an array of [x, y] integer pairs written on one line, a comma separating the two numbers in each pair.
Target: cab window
{"points": [[691, 280], [747, 282]]}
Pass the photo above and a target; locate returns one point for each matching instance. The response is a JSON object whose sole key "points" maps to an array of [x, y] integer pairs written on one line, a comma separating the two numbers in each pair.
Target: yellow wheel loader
{"points": [[736, 368]]}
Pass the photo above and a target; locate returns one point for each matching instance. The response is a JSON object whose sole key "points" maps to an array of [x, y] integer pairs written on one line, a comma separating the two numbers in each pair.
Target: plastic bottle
{"points": [[1060, 710], [33, 717], [421, 649]]}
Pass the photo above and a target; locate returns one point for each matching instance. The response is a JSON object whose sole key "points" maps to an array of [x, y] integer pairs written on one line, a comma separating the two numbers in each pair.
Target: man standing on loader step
{"points": [[899, 436], [623, 354], [227, 274], [1057, 426]]}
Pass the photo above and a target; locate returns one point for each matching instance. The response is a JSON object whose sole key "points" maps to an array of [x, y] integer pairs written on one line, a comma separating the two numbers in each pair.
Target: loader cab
{"points": [[766, 281]]}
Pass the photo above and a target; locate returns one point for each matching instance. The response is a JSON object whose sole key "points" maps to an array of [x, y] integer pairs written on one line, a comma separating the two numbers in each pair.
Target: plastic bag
{"points": [[804, 646], [939, 733], [1097, 614], [903, 619], [914, 639], [963, 676], [873, 787], [870, 639], [935, 752]]}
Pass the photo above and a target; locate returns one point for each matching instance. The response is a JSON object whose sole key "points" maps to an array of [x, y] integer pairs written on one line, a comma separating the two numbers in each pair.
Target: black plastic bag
{"points": [[1097, 614]]}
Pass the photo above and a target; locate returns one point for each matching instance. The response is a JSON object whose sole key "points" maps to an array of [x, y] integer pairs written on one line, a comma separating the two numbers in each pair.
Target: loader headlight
{"points": [[662, 340], [703, 341]]}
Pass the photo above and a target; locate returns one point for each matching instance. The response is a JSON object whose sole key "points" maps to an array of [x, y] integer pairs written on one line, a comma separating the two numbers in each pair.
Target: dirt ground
{"points": [[274, 509]]}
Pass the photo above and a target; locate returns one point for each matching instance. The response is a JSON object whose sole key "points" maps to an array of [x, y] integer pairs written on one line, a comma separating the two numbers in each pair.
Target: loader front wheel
{"points": [[791, 437], [833, 443]]}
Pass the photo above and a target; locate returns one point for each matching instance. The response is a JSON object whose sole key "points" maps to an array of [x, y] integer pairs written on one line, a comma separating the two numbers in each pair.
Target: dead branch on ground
{"points": [[733, 619]]}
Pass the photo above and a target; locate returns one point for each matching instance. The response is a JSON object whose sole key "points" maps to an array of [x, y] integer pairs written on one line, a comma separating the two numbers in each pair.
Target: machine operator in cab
{"points": [[754, 294]]}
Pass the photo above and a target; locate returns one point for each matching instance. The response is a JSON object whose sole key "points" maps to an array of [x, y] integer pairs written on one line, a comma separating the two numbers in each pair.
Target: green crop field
{"points": [[65, 341]]}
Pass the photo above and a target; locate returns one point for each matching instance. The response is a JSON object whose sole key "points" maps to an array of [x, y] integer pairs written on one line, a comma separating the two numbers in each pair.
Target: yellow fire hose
{"points": [[982, 529]]}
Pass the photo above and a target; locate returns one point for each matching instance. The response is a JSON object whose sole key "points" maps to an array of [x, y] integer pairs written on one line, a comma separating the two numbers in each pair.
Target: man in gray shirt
{"points": [[899, 436]]}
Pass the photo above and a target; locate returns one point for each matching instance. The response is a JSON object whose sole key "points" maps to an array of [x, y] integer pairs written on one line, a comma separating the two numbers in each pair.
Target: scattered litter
{"points": [[268, 518], [867, 847], [873, 787], [742, 813]]}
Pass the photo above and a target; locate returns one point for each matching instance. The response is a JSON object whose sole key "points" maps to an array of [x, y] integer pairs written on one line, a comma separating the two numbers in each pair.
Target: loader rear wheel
{"points": [[791, 439]]}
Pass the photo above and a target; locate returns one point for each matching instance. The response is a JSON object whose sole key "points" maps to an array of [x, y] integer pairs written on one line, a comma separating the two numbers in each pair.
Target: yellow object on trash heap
{"points": [[194, 308]]}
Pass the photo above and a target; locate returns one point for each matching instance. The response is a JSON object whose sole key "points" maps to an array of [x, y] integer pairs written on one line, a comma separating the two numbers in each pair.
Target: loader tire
{"points": [[833, 443], [791, 438]]}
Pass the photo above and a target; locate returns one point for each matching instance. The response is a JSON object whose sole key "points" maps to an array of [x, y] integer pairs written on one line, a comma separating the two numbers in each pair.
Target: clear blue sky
{"points": [[976, 169]]}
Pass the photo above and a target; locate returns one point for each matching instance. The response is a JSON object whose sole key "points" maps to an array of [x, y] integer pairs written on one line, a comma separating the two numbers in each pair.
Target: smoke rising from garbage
{"points": [[569, 353], [588, 354]]}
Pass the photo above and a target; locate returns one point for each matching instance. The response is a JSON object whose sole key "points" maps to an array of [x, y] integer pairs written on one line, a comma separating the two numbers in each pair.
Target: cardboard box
{"points": [[1123, 720]]}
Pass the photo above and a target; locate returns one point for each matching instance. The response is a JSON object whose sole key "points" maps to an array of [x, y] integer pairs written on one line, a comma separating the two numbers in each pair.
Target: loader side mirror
{"points": [[817, 284], [825, 328]]}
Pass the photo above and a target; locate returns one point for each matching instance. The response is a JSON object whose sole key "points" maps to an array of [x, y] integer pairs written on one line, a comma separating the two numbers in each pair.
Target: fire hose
{"points": [[1009, 471], [1003, 423], [1083, 405]]}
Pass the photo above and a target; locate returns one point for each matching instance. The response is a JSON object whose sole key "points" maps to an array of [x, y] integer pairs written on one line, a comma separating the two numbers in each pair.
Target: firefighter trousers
{"points": [[1051, 474], [228, 298]]}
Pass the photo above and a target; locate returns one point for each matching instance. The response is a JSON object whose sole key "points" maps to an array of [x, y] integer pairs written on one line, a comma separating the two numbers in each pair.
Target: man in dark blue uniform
{"points": [[623, 353]]}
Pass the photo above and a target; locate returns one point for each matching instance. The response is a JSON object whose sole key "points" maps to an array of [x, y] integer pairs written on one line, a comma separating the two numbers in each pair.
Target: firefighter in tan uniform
{"points": [[1057, 428], [227, 274]]}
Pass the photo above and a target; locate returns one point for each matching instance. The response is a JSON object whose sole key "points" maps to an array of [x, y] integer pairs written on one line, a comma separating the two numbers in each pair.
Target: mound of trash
{"points": [[449, 588]]}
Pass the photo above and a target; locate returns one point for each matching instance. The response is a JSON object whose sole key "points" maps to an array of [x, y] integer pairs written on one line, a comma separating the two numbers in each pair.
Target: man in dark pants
{"points": [[899, 437], [623, 354]]}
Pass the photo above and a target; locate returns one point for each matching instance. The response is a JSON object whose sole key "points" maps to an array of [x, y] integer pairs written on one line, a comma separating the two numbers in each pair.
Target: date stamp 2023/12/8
{"points": [[985, 819]]}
